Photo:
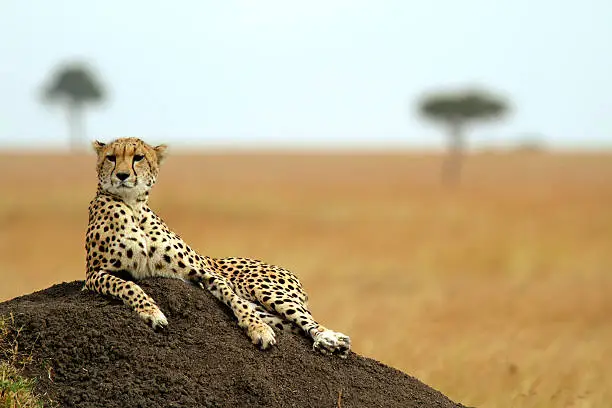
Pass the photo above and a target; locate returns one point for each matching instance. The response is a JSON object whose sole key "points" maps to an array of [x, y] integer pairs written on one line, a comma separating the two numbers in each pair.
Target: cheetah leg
{"points": [[275, 321], [326, 341], [249, 319], [131, 294]]}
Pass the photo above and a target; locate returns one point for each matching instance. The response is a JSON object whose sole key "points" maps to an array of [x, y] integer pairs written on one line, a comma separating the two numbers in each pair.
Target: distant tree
{"points": [[74, 86], [456, 110], [531, 143]]}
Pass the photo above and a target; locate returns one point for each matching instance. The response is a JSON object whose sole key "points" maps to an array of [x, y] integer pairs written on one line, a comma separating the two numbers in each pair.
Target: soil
{"points": [[92, 351]]}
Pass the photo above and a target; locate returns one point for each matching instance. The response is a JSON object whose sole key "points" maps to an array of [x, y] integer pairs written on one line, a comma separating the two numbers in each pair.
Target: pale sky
{"points": [[309, 73]]}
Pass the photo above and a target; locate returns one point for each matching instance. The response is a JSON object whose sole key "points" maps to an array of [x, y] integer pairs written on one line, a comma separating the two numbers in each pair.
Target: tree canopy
{"points": [[462, 106], [76, 83]]}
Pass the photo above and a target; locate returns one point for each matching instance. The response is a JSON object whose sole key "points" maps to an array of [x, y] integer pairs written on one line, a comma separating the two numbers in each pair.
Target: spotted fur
{"points": [[125, 235]]}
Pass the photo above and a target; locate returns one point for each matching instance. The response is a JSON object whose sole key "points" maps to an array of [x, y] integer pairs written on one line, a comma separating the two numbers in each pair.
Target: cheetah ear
{"points": [[98, 146], [160, 152]]}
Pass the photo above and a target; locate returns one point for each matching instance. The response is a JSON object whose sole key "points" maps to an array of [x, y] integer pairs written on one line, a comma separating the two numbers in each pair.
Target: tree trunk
{"points": [[75, 125], [451, 168]]}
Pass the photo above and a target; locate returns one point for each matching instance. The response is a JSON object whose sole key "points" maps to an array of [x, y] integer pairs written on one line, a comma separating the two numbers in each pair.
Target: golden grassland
{"points": [[497, 293]]}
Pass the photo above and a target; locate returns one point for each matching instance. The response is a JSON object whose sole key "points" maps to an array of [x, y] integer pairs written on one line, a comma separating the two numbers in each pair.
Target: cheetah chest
{"points": [[130, 249]]}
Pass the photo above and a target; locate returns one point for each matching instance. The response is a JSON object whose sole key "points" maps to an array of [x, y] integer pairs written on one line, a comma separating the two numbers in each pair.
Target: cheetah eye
{"points": [[111, 158], [138, 157]]}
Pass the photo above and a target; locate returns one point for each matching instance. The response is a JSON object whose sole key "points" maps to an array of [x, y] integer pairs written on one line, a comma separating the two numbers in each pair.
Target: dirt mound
{"points": [[95, 352]]}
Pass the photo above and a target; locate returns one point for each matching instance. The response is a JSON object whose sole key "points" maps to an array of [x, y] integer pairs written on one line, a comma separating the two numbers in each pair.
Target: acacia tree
{"points": [[74, 86], [455, 111]]}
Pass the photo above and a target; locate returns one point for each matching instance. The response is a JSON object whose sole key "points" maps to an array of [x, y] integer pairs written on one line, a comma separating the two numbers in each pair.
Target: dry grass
{"points": [[16, 391], [498, 293]]}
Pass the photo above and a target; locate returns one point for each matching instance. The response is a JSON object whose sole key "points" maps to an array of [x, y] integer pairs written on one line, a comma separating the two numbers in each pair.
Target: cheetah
{"points": [[125, 236]]}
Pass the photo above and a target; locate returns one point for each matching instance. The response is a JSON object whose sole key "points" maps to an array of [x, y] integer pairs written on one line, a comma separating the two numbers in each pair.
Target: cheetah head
{"points": [[128, 167]]}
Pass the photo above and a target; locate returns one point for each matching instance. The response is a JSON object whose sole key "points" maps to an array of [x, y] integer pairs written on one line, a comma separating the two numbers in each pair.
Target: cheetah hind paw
{"points": [[154, 318], [331, 342], [261, 335]]}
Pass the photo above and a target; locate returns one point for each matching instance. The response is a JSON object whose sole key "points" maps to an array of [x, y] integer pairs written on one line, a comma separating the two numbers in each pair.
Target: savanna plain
{"points": [[497, 292]]}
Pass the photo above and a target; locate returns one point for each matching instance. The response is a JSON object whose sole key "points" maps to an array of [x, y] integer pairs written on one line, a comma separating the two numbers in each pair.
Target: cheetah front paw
{"points": [[154, 317], [261, 335], [331, 342]]}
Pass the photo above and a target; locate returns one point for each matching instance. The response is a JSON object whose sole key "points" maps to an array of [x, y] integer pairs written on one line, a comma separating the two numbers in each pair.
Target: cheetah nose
{"points": [[123, 176]]}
